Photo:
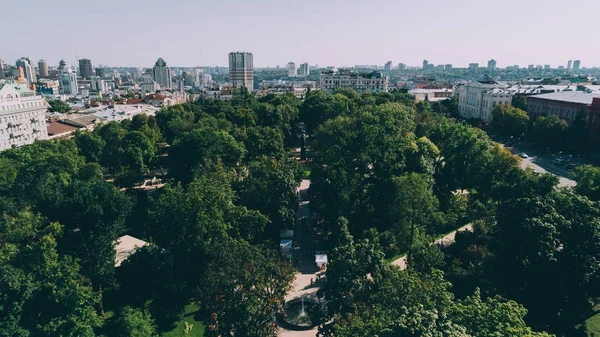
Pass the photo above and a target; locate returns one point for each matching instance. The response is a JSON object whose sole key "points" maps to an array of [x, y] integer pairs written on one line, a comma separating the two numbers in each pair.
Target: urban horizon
{"points": [[318, 65]]}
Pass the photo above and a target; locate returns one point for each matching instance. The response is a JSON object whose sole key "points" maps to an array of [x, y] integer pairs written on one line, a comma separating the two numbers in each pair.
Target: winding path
{"points": [[447, 240]]}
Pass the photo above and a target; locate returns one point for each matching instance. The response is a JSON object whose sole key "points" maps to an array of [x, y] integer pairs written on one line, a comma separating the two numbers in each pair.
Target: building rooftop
{"points": [[569, 96], [126, 246], [57, 128]]}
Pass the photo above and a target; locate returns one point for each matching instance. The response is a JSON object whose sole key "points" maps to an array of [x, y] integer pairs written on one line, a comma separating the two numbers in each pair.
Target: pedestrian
{"points": [[311, 281]]}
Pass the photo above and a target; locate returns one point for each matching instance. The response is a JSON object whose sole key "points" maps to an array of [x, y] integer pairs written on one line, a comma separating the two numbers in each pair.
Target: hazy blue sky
{"points": [[324, 32]]}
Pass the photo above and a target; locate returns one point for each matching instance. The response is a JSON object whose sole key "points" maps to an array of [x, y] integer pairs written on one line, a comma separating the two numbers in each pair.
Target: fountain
{"points": [[297, 313]]}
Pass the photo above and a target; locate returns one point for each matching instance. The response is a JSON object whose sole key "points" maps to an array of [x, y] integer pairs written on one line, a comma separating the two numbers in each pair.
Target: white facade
{"points": [[149, 87], [361, 83], [162, 74], [304, 69], [478, 99], [22, 116], [291, 67], [96, 83], [241, 70], [68, 82]]}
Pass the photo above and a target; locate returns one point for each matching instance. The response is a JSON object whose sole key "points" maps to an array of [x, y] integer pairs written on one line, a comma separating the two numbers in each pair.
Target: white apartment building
{"points": [[304, 69], [96, 83], [68, 82], [478, 99], [22, 116], [360, 82], [291, 67], [149, 87]]}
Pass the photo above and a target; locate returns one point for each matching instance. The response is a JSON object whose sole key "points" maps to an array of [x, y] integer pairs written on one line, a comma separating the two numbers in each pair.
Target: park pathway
{"points": [[307, 268], [445, 241]]}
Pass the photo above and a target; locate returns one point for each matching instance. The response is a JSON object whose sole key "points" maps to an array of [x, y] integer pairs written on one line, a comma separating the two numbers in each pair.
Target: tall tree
{"points": [[42, 291], [245, 289]]}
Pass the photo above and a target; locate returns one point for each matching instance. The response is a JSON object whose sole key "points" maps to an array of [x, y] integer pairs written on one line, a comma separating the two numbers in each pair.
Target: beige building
{"points": [[432, 95], [360, 82], [477, 100], [22, 116]]}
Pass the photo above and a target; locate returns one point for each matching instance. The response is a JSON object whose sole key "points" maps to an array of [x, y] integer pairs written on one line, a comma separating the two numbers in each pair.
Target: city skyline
{"points": [[337, 33]]}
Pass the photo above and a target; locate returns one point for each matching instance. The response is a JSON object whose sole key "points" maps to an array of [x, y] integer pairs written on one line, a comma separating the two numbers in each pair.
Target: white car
{"points": [[523, 155]]}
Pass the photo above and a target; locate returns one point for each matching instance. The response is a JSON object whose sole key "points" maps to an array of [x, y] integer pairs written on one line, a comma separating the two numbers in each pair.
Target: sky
{"points": [[320, 32]]}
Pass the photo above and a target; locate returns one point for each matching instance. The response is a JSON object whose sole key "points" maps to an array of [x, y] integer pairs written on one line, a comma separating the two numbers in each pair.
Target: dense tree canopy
{"points": [[387, 176]]}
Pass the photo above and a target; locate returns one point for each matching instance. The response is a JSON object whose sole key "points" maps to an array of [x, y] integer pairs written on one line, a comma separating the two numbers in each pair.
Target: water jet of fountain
{"points": [[302, 313]]}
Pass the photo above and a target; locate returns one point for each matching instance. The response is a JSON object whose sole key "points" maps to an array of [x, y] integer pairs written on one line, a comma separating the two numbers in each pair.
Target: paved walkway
{"points": [[307, 268], [447, 240]]}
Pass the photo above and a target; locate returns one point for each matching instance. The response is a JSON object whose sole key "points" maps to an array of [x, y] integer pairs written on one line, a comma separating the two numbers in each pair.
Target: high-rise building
{"points": [[576, 65], [546, 67], [68, 82], [85, 68], [100, 72], [448, 67], [25, 64], [425, 64], [97, 83], [291, 67], [569, 65], [388, 66], [491, 65], [241, 70], [162, 74], [1, 69], [43, 68], [23, 116], [62, 65], [474, 67], [304, 69]]}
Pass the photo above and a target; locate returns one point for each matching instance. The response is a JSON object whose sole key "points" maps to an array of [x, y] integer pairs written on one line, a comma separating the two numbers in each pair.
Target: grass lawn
{"points": [[592, 324], [188, 316], [306, 171]]}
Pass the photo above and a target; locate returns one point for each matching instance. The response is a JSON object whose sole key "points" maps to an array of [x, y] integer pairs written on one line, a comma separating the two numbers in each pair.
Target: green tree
{"points": [[491, 317], [245, 288], [510, 120], [415, 210], [348, 274], [55, 105], [133, 322], [200, 147], [550, 131], [94, 214], [270, 187], [519, 102], [320, 106], [91, 145], [588, 181], [42, 291]]}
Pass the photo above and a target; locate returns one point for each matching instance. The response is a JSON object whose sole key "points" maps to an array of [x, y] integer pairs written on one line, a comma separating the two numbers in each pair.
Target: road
{"points": [[536, 164]]}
